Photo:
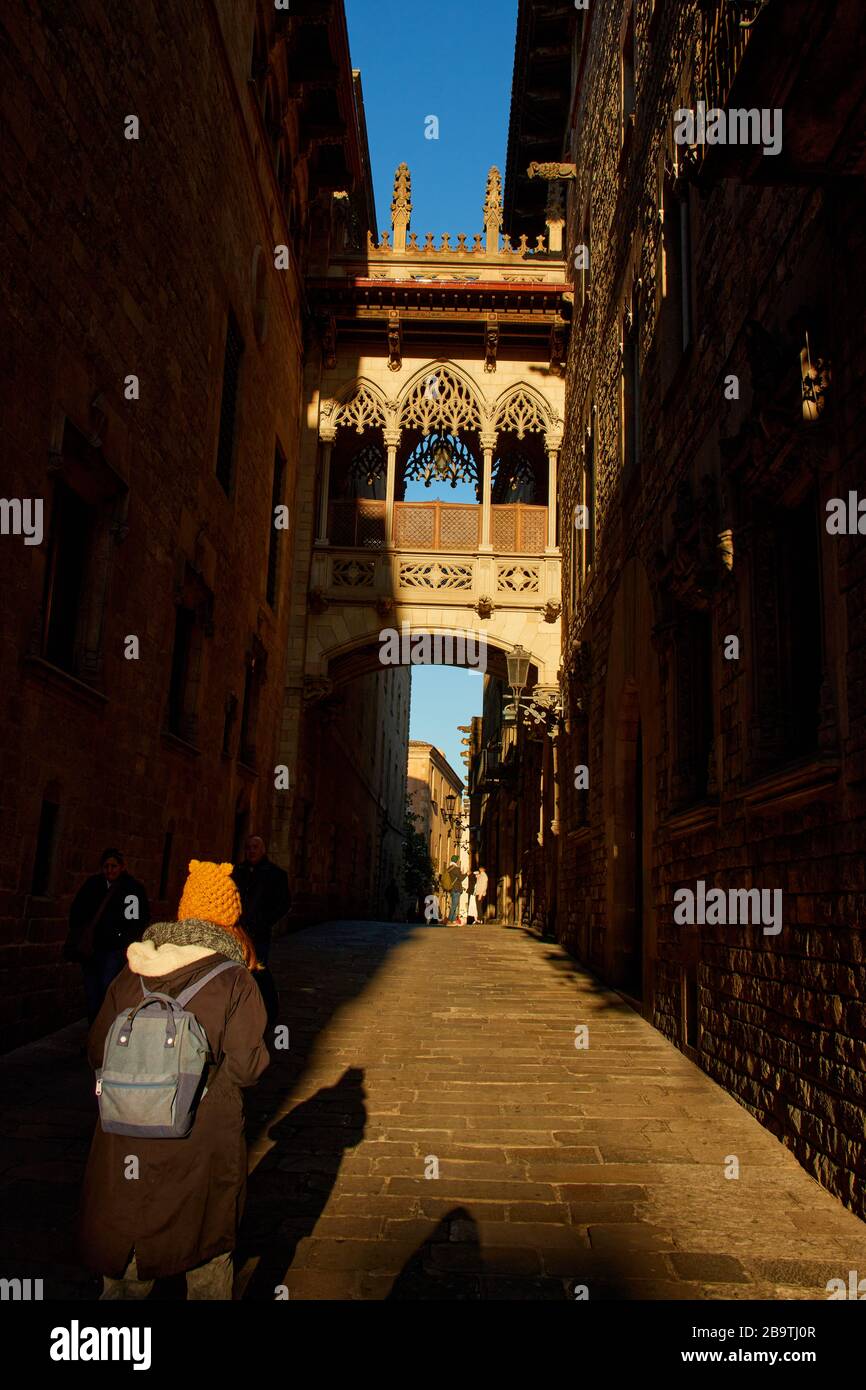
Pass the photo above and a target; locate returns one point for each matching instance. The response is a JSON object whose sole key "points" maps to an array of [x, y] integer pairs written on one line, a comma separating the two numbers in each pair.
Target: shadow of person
{"points": [[290, 1186], [447, 1266]]}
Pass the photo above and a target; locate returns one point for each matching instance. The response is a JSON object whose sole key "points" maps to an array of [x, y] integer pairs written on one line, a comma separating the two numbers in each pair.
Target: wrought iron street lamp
{"points": [[543, 707]]}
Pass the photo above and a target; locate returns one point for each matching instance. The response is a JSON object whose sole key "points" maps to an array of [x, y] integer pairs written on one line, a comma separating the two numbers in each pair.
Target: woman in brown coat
{"points": [[180, 1214]]}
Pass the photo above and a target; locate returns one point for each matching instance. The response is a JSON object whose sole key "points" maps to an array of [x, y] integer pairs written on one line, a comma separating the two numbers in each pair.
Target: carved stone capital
{"points": [[317, 688]]}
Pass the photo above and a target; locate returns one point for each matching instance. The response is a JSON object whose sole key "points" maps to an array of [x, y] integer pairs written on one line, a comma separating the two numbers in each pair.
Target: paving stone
{"points": [[709, 1269]]}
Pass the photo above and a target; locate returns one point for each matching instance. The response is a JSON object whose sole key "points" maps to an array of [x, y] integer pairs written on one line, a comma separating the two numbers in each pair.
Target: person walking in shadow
{"points": [[176, 1223], [109, 911]]}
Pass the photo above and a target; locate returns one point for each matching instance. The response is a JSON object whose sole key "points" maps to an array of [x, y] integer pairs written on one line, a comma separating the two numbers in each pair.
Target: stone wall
{"points": [[777, 1019], [350, 799], [122, 257]]}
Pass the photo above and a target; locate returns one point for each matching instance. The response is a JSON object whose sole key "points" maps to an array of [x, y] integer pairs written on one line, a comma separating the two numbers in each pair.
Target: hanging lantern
{"points": [[815, 378]]}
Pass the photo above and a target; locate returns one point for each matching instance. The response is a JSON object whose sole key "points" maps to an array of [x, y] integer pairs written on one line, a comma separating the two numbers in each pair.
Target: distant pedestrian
{"points": [[264, 890], [392, 897], [109, 911], [452, 880], [178, 1218], [481, 891], [471, 902]]}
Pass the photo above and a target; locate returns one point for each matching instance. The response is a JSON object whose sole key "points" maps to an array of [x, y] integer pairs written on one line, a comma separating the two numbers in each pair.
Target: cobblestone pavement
{"points": [[416, 1047]]}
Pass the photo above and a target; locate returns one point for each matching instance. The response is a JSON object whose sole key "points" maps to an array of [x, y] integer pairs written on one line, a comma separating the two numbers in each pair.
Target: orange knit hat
{"points": [[210, 894]]}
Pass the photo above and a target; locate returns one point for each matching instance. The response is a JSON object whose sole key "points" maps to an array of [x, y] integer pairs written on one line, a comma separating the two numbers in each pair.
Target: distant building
{"points": [[431, 780]]}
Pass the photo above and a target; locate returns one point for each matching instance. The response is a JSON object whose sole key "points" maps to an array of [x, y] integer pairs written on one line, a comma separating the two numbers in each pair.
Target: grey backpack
{"points": [[154, 1065]]}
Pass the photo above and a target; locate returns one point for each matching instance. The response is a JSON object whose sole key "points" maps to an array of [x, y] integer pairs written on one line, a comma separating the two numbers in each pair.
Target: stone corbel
{"points": [[385, 607], [317, 688], [557, 346], [552, 610], [395, 343], [484, 607], [538, 170], [318, 601], [491, 342]]}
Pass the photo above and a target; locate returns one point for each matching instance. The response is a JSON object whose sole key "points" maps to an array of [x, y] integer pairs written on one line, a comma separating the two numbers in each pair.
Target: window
{"points": [[254, 678], [676, 277], [229, 716], [274, 545], [192, 623], [181, 659], [46, 843], [88, 507], [228, 404], [72, 524]]}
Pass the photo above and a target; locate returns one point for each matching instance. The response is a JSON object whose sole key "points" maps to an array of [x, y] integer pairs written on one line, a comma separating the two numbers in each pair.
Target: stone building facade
{"points": [[152, 367], [431, 780], [351, 799], [713, 635]]}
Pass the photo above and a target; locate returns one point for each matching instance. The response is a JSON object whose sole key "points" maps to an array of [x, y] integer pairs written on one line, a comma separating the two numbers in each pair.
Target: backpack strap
{"points": [[187, 994]]}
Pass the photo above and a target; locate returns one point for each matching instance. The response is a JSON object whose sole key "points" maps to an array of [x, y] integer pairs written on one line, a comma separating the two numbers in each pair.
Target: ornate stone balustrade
{"points": [[456, 579]]}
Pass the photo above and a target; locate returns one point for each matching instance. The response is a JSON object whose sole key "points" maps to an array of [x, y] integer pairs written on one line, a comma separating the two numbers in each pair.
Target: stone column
{"points": [[488, 444], [553, 443], [392, 441], [327, 446]]}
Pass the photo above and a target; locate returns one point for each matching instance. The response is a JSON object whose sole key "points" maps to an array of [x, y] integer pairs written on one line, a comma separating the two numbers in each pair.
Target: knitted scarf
{"points": [[231, 942]]}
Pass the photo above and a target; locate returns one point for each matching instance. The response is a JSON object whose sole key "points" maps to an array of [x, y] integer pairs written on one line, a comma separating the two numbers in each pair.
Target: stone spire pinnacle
{"points": [[401, 206], [493, 210]]}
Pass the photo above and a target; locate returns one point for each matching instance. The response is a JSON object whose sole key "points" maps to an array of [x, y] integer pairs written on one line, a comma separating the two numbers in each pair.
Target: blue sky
{"points": [[453, 59]]}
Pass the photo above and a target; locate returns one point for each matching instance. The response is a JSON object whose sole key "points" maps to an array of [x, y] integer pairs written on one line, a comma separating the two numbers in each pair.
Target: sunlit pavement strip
{"points": [[412, 1048], [415, 1049]]}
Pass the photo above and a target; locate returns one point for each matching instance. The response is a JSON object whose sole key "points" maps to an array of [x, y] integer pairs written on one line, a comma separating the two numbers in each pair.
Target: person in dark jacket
{"points": [[109, 911], [179, 1218], [392, 897], [264, 890]]}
